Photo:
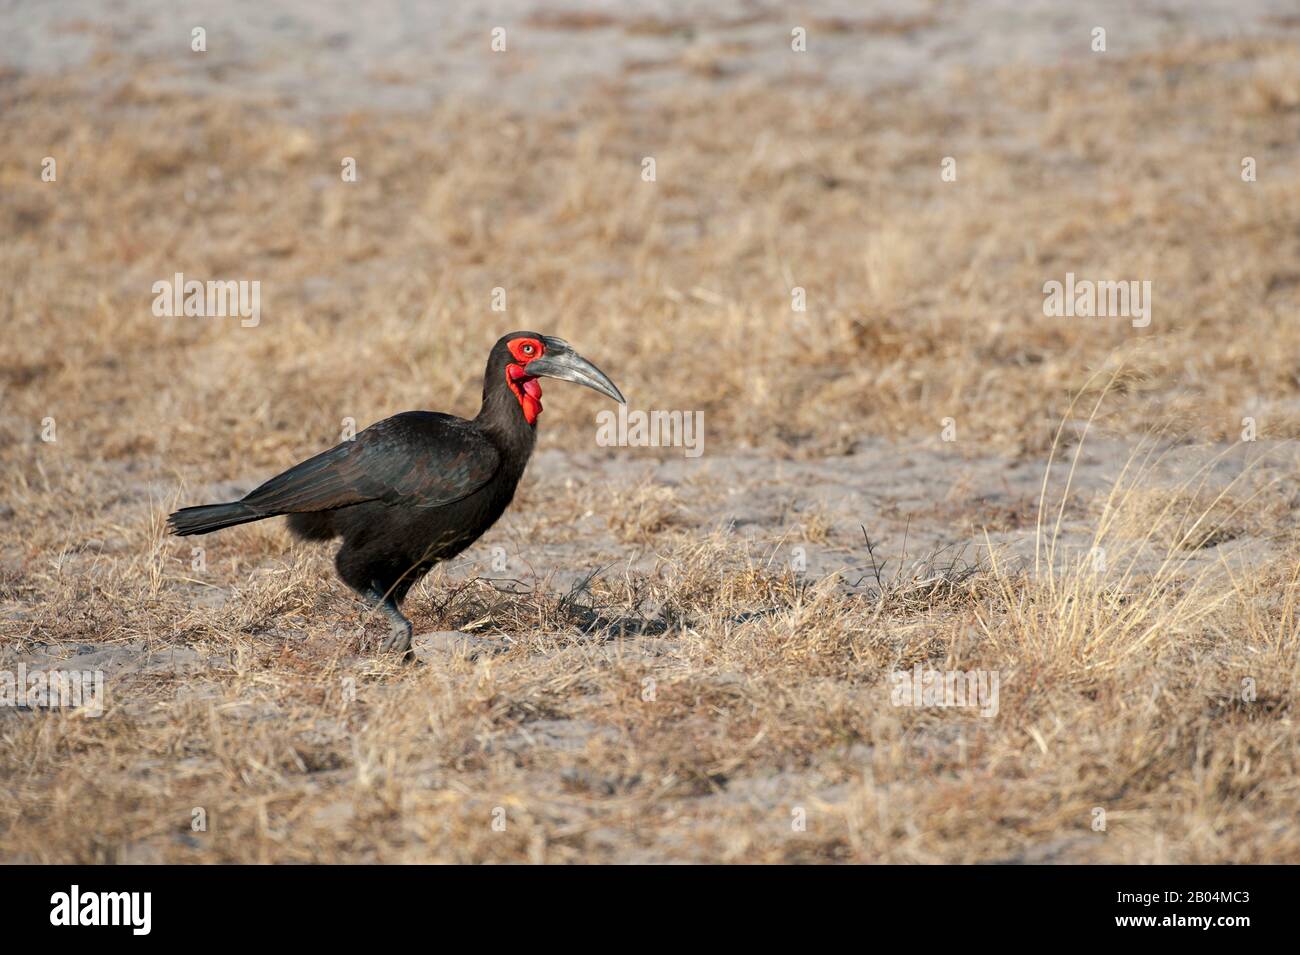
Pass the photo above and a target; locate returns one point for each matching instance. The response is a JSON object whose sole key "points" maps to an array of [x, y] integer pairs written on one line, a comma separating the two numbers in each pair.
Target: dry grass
{"points": [[691, 696]]}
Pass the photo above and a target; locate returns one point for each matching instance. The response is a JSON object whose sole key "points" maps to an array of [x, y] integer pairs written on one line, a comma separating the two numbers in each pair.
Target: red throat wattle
{"points": [[527, 390], [524, 385]]}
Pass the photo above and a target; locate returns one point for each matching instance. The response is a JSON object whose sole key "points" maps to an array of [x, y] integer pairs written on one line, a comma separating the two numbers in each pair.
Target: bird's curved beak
{"points": [[561, 361]]}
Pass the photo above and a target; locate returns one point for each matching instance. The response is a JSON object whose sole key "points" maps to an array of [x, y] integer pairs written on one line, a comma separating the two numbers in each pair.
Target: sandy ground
{"points": [[407, 54]]}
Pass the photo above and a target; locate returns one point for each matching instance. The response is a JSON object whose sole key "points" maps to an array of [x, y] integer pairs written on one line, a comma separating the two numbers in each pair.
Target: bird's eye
{"points": [[528, 349]]}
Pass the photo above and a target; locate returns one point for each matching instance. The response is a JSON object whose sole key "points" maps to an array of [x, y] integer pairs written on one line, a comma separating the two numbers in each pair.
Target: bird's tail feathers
{"points": [[211, 517]]}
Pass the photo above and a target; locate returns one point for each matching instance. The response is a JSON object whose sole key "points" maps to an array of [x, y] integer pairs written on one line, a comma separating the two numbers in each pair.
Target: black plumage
{"points": [[416, 488]]}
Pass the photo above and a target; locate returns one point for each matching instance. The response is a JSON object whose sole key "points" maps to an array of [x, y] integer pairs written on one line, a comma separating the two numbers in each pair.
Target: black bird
{"points": [[418, 487]]}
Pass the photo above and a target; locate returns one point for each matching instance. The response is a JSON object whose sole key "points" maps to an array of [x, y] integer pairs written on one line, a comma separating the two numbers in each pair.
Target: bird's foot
{"points": [[400, 630], [399, 638]]}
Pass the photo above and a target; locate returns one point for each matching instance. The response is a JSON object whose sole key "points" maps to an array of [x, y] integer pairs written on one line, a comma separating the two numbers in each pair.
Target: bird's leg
{"points": [[399, 634]]}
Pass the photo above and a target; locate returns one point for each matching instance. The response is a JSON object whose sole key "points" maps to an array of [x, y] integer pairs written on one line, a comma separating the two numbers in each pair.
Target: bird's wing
{"points": [[416, 459]]}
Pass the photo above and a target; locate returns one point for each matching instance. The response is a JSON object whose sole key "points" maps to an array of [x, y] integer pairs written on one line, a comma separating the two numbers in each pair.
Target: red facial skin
{"points": [[525, 386]]}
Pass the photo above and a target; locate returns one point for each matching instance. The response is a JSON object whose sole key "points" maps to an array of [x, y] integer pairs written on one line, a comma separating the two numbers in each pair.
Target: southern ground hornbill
{"points": [[418, 487]]}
